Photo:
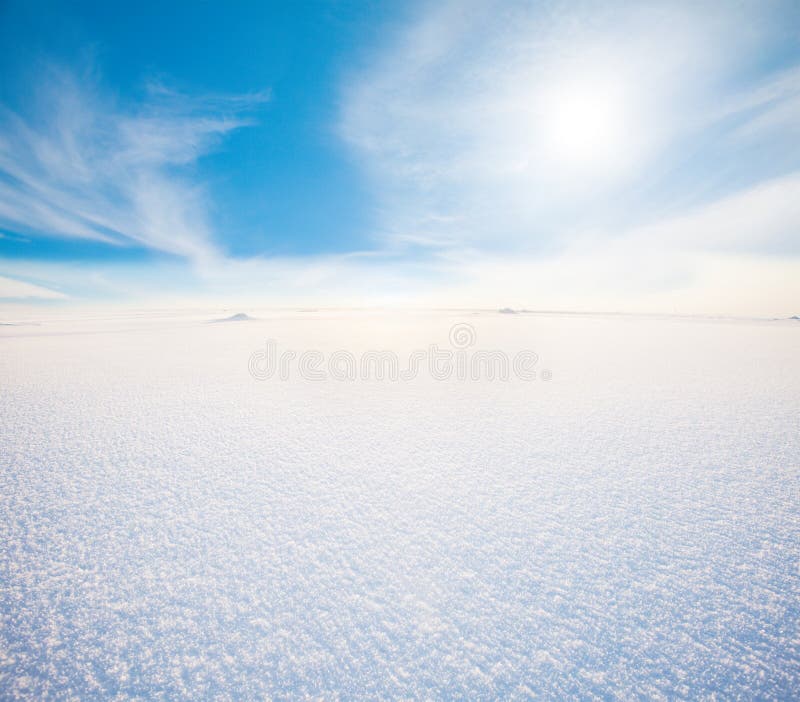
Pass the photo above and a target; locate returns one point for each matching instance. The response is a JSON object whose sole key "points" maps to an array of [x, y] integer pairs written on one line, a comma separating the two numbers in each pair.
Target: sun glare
{"points": [[585, 124]]}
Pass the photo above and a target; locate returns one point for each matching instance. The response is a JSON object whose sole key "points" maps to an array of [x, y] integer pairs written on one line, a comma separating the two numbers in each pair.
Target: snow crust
{"points": [[172, 528]]}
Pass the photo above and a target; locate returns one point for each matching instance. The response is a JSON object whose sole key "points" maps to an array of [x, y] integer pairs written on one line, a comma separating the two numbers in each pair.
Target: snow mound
{"points": [[240, 317]]}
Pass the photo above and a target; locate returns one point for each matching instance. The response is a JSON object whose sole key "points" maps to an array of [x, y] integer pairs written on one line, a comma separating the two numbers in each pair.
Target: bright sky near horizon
{"points": [[573, 155]]}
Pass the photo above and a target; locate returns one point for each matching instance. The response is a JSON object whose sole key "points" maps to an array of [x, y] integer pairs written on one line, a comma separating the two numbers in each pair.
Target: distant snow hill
{"points": [[240, 317]]}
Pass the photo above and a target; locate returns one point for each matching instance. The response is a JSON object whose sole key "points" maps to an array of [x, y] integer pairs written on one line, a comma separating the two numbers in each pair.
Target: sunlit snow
{"points": [[171, 527]]}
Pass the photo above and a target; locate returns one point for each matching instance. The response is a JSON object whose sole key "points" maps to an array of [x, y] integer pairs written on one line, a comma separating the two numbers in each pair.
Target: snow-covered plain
{"points": [[171, 527]]}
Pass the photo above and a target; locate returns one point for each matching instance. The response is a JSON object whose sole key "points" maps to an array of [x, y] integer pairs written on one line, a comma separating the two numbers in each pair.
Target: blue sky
{"points": [[283, 184], [630, 156]]}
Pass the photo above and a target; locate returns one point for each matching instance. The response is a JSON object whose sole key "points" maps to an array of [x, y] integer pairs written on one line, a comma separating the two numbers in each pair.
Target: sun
{"points": [[585, 123]]}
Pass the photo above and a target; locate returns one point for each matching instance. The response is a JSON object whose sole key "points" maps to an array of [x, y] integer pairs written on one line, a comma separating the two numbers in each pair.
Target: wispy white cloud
{"points": [[19, 289], [82, 165], [772, 104], [762, 219], [460, 120], [565, 154]]}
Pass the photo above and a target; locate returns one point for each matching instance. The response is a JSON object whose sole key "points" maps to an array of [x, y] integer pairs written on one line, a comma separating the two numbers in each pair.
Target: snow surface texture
{"points": [[172, 528]]}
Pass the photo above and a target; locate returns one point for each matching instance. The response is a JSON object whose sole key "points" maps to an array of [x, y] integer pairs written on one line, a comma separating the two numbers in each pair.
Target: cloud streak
{"points": [[80, 165], [18, 289], [456, 119]]}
